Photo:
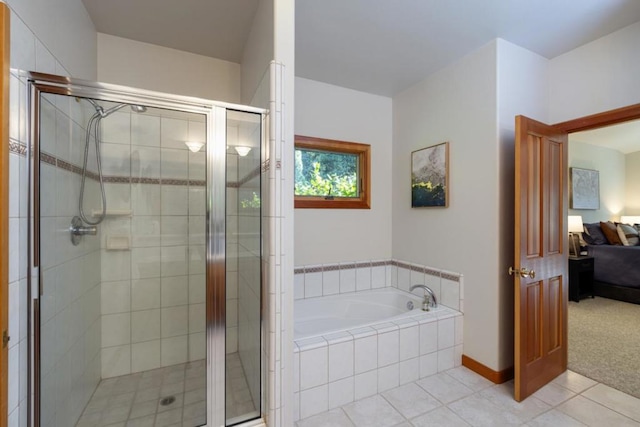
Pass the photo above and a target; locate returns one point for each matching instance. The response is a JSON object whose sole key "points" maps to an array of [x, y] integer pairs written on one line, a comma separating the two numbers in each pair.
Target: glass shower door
{"points": [[123, 305], [148, 247], [244, 267]]}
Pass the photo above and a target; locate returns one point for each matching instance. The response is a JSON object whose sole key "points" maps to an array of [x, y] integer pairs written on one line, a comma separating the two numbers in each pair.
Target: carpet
{"points": [[604, 342]]}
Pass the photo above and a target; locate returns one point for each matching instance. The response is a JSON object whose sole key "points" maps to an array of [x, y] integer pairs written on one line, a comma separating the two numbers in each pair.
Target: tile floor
{"points": [[135, 400], [460, 397]]}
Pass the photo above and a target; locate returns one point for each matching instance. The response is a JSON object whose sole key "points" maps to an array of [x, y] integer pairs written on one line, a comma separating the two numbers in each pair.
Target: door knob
{"points": [[523, 272]]}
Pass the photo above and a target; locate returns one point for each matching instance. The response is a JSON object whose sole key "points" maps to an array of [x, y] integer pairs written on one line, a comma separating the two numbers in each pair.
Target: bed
{"points": [[615, 248], [616, 272]]}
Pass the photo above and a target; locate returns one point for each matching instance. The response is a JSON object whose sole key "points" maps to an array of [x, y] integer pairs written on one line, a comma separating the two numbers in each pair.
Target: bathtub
{"points": [[324, 315], [351, 346]]}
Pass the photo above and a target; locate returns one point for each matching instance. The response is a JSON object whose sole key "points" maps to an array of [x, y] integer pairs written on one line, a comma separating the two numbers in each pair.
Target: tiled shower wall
{"points": [[29, 53], [70, 303], [153, 287]]}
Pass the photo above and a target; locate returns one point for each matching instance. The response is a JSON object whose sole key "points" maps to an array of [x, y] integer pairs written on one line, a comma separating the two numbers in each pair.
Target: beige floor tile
{"points": [[554, 394], [373, 411], [469, 378], [616, 400], [441, 417], [502, 396], [333, 418], [411, 400], [593, 414], [444, 387], [554, 418], [574, 382], [479, 411]]}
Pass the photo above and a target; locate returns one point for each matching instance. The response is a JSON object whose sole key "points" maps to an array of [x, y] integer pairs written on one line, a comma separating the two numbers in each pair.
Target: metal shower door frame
{"points": [[215, 113]]}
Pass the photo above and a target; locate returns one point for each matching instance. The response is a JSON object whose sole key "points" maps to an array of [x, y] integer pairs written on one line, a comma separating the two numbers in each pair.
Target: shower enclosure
{"points": [[146, 257]]}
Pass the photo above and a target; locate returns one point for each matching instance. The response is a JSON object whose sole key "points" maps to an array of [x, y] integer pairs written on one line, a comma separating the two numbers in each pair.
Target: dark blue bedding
{"points": [[617, 265]]}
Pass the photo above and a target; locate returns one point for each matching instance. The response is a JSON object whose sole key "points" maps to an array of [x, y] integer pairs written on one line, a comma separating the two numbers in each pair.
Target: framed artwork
{"points": [[585, 189], [430, 177]]}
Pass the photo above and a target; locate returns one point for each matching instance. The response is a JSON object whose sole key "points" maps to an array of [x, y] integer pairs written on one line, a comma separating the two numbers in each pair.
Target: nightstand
{"points": [[580, 277]]}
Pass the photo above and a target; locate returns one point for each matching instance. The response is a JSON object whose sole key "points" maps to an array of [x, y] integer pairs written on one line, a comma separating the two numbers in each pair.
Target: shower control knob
{"points": [[78, 229]]}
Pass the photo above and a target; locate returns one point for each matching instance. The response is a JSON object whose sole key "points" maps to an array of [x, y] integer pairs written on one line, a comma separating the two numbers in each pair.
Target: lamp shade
{"points": [[575, 224], [626, 219]]}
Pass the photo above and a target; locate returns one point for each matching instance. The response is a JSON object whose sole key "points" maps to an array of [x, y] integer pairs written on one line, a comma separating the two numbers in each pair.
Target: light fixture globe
{"points": [[242, 151], [194, 146]]}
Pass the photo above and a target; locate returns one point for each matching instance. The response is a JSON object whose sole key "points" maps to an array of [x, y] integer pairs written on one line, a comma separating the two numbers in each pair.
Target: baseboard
{"points": [[497, 377]]}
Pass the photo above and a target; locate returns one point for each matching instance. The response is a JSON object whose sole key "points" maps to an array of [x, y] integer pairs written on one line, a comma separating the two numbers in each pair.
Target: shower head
{"points": [[105, 113]]}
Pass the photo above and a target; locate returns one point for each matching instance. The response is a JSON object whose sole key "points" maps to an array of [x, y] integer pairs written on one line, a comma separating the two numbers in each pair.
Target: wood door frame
{"points": [[599, 120], [4, 212]]}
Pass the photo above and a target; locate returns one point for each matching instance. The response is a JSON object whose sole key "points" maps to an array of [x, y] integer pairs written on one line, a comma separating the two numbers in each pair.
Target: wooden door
{"points": [[541, 247]]}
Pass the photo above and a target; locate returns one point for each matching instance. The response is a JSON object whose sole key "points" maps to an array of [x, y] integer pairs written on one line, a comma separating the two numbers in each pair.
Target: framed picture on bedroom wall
{"points": [[585, 188], [430, 176]]}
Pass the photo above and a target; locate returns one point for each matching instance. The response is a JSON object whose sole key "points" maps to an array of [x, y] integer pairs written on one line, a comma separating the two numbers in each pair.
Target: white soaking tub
{"points": [[351, 346], [324, 315]]}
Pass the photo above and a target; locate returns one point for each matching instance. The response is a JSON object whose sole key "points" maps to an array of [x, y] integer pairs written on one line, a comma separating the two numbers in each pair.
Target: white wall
{"points": [[62, 27], [258, 52], [335, 235], [611, 165], [522, 90], [147, 66], [457, 104], [599, 76], [632, 198]]}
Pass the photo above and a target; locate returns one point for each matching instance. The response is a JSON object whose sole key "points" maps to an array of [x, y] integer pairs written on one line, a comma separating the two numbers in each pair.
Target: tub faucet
{"points": [[430, 299]]}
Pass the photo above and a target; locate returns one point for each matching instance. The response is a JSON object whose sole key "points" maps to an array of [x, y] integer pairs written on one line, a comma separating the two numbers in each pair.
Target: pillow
{"points": [[628, 235], [593, 234], [637, 227], [611, 233]]}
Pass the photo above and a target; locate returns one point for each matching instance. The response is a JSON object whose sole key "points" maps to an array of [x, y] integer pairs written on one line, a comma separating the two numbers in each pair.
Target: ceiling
{"points": [[376, 46], [215, 28], [624, 137]]}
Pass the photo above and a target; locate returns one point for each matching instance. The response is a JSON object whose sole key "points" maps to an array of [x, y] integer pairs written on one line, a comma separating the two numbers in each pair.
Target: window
{"points": [[331, 174]]}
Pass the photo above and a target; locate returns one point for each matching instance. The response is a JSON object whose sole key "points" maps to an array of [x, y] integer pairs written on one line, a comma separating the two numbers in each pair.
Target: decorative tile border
{"points": [[21, 149], [17, 148], [364, 264]]}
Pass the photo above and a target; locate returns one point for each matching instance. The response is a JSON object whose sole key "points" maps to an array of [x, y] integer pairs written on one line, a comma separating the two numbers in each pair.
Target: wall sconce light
{"points": [[575, 226], [242, 151], [194, 146], [625, 219]]}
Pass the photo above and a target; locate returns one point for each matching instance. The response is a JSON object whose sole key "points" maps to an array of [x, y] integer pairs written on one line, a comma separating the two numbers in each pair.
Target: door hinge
{"points": [[5, 339]]}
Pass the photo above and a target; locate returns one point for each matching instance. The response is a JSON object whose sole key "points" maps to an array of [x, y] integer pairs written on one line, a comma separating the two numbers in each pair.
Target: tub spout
{"points": [[430, 299]]}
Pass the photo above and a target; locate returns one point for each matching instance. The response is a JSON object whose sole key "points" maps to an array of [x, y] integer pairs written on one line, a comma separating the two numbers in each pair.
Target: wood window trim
{"points": [[363, 151]]}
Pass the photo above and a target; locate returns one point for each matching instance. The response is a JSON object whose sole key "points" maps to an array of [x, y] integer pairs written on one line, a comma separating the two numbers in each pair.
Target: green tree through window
{"points": [[331, 174]]}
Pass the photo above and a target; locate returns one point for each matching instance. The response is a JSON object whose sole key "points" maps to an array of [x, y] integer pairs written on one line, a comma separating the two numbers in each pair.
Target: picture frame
{"points": [[430, 177], [585, 188]]}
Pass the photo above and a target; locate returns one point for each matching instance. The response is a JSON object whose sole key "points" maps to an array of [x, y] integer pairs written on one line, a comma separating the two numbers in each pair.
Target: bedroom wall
{"points": [[611, 165], [598, 76], [632, 198]]}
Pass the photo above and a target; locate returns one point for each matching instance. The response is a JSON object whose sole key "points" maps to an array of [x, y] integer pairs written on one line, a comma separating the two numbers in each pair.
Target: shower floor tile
{"points": [[175, 395]]}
